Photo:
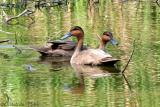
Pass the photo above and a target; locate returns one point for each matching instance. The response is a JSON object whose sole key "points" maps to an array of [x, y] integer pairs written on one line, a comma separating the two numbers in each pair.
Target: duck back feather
{"points": [[58, 48], [92, 57]]}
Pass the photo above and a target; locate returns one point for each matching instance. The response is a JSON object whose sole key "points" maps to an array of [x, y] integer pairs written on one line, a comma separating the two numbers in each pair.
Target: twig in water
{"points": [[19, 50], [127, 82], [129, 58]]}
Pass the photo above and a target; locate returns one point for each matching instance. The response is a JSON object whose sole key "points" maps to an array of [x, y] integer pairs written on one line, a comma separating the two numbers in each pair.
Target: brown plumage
{"points": [[57, 49], [66, 48], [89, 56]]}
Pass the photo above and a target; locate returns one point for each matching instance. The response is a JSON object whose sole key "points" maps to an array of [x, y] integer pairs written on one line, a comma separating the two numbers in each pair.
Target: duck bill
{"points": [[113, 42], [66, 36]]}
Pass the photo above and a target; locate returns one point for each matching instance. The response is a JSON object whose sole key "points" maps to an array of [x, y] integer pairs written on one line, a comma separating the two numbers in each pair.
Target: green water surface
{"points": [[26, 80]]}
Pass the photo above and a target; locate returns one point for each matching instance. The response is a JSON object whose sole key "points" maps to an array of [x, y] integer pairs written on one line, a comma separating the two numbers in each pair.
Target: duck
{"points": [[57, 48], [105, 38], [90, 56], [61, 48]]}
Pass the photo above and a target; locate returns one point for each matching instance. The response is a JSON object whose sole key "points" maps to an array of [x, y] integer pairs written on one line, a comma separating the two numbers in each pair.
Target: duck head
{"points": [[108, 37], [74, 31], [79, 33]]}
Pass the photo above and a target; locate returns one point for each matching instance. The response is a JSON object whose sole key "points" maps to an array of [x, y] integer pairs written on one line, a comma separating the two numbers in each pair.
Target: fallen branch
{"points": [[41, 3], [129, 58], [2, 41], [25, 12]]}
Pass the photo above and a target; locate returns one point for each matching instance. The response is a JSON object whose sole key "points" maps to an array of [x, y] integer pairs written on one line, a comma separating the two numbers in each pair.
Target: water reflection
{"points": [[61, 85], [83, 71], [54, 59], [94, 71], [4, 55], [56, 63]]}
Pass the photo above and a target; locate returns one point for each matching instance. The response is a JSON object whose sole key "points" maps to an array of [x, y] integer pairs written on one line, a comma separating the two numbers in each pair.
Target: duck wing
{"points": [[53, 45], [59, 53], [58, 48], [65, 45], [109, 61]]}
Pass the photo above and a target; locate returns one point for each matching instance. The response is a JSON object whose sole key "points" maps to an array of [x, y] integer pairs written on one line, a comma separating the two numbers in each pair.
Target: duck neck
{"points": [[78, 48], [79, 45], [102, 45]]}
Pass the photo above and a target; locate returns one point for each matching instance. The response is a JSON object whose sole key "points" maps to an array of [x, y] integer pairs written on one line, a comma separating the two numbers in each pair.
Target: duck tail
{"points": [[109, 61], [41, 50]]}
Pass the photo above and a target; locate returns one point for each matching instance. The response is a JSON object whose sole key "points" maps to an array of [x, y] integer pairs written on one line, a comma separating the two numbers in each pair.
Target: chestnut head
{"points": [[108, 37], [74, 31]]}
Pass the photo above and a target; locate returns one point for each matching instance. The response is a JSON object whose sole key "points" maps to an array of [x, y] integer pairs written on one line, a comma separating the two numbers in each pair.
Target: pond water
{"points": [[28, 80]]}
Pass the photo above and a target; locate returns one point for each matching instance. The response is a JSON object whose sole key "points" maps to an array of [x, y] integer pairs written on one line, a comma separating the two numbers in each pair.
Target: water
{"points": [[27, 80]]}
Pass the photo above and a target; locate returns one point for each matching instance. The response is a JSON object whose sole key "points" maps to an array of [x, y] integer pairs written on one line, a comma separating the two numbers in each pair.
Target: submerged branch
{"points": [[126, 80], [129, 58]]}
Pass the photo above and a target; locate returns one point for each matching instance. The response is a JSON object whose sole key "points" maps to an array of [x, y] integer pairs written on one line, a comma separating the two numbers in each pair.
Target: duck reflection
{"points": [[78, 85], [95, 71], [54, 59], [55, 62], [83, 71], [78, 73]]}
